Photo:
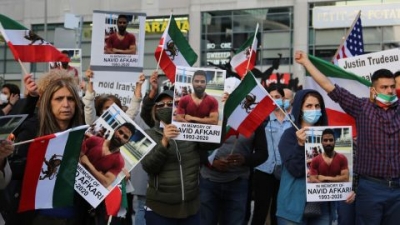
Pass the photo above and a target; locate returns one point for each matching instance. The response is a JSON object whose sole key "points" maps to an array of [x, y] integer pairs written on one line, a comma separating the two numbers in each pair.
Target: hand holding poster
{"points": [[329, 153], [198, 110], [113, 147]]}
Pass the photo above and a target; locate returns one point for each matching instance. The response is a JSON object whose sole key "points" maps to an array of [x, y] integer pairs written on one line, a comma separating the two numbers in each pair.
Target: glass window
{"points": [[224, 30]]}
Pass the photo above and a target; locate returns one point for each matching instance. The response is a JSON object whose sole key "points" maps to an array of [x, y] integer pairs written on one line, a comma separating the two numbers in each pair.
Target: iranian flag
{"points": [[248, 106], [26, 45], [355, 84], [245, 58], [174, 50], [50, 170]]}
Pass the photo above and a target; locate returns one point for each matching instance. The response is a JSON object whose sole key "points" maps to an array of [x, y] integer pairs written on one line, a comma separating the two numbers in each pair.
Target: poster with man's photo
{"points": [[117, 41], [198, 106], [112, 147], [329, 163]]}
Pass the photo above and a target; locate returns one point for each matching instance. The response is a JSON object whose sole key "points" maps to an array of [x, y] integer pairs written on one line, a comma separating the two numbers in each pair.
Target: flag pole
{"points": [[251, 52], [347, 34], [162, 47], [23, 142], [23, 67]]}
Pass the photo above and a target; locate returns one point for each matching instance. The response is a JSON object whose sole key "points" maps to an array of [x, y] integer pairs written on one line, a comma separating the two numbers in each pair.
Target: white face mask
{"points": [[3, 98]]}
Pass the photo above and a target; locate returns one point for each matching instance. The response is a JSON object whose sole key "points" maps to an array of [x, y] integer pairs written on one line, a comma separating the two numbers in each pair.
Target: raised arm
{"points": [[136, 98], [320, 78]]}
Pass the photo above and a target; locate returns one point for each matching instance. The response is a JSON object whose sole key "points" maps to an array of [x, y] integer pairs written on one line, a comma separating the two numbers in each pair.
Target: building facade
{"points": [[215, 28]]}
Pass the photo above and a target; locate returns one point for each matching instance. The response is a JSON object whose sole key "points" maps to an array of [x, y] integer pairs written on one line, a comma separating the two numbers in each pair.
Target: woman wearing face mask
{"points": [[308, 110], [173, 167]]}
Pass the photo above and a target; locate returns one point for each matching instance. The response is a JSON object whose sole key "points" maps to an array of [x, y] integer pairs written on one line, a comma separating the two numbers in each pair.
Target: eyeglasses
{"points": [[163, 104], [326, 140]]}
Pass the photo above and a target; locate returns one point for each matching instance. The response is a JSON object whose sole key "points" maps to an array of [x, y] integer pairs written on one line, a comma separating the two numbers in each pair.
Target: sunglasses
{"points": [[163, 104]]}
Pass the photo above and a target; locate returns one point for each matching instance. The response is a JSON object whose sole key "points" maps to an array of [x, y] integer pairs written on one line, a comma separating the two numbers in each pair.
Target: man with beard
{"points": [[102, 157], [329, 166], [198, 107], [121, 42]]}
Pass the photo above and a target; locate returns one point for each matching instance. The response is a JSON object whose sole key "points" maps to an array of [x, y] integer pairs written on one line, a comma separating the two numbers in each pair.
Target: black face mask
{"points": [[164, 114]]}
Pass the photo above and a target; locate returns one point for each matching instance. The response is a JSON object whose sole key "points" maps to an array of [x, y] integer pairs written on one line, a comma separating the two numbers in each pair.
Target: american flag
{"points": [[353, 45]]}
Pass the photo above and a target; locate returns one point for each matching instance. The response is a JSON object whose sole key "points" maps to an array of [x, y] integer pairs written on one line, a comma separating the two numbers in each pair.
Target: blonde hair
{"points": [[52, 75]]}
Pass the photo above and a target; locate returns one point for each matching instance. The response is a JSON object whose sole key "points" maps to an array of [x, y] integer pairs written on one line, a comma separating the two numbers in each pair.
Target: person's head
{"points": [[65, 64], [7, 90], [397, 79], [59, 106], [122, 135], [383, 87], [103, 102], [277, 93], [288, 99], [199, 82], [162, 109], [122, 23], [328, 141], [308, 109]]}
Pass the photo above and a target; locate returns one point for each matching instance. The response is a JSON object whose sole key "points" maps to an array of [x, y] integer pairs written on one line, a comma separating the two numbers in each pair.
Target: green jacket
{"points": [[173, 189]]}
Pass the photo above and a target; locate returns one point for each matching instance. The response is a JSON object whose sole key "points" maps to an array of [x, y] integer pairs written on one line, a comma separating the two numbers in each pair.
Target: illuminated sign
{"points": [[159, 25], [343, 16]]}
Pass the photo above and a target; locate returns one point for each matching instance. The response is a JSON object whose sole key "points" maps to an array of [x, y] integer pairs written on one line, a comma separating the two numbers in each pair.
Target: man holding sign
{"points": [[329, 166]]}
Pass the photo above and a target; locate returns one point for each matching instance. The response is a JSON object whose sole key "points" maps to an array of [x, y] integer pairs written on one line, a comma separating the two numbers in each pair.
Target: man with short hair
{"points": [[378, 143], [102, 157], [330, 166], [121, 42], [198, 107]]}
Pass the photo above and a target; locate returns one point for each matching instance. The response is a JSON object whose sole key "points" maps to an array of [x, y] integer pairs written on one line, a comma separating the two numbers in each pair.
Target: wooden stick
{"points": [[23, 142], [251, 52]]}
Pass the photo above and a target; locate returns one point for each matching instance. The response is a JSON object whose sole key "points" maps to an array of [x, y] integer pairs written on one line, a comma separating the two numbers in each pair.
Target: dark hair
{"points": [[130, 126], [321, 102], [382, 73], [396, 74], [276, 87], [65, 52], [200, 73], [328, 131], [100, 100], [123, 16], [14, 89]]}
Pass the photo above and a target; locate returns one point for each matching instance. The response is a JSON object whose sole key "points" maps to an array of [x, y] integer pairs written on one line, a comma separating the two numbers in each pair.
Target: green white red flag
{"points": [[355, 84], [174, 50], [245, 58], [248, 106], [50, 170], [26, 45]]}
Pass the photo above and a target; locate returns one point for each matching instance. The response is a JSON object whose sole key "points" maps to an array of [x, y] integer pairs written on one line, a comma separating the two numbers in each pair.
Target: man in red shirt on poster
{"points": [[121, 42]]}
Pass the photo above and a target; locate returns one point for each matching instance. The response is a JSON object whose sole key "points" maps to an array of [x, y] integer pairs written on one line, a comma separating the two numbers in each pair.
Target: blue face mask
{"points": [[279, 102], [311, 116], [286, 104]]}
